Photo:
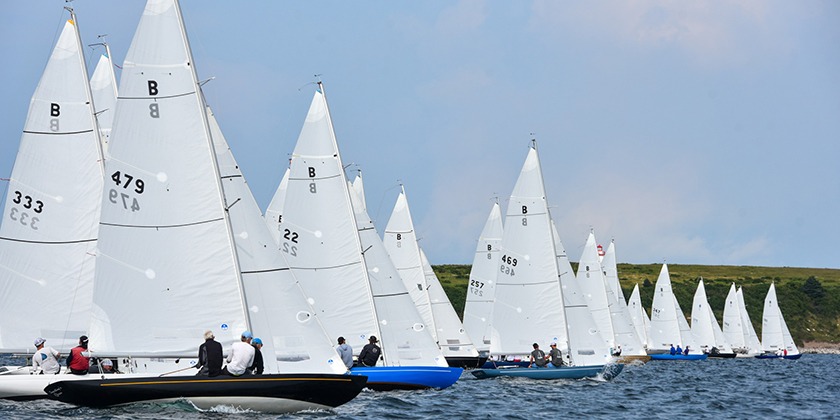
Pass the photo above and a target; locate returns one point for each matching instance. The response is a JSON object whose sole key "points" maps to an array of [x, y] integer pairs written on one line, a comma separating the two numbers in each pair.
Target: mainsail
{"points": [[50, 224]]}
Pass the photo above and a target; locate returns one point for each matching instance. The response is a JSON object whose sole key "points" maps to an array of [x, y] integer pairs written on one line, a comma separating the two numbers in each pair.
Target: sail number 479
{"points": [[126, 181]]}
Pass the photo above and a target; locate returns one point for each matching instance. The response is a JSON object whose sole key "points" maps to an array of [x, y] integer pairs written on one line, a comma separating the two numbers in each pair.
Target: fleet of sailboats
{"points": [[136, 192]]}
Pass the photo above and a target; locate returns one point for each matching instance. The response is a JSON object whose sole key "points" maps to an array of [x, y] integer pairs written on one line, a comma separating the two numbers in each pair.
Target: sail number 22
{"points": [[126, 181]]}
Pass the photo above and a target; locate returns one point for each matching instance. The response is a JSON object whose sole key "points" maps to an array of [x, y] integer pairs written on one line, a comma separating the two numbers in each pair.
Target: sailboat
{"points": [[341, 263], [529, 306], [775, 336], [50, 224], [750, 337], [640, 318], [668, 326], [631, 347], [481, 290], [184, 238], [705, 328], [400, 241]]}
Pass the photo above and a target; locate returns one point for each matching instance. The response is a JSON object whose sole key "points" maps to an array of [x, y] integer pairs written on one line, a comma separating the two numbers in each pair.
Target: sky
{"points": [[703, 132]]}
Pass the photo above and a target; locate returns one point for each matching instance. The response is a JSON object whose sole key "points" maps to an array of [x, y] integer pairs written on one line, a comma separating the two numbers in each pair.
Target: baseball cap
{"points": [[256, 341], [39, 341], [247, 334]]}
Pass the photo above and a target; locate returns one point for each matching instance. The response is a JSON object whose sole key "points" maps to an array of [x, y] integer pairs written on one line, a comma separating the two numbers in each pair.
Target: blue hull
{"points": [[490, 364], [387, 378], [666, 356], [566, 372]]}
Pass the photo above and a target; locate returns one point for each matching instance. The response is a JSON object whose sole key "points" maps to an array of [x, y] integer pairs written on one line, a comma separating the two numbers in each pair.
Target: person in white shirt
{"points": [[240, 357], [45, 359]]}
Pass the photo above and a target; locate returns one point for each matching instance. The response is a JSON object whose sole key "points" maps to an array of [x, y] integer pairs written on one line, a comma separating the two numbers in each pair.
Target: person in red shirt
{"points": [[77, 362]]}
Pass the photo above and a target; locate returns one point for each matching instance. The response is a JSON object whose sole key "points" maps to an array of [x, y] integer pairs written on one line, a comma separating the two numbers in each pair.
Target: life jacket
{"points": [[79, 362]]}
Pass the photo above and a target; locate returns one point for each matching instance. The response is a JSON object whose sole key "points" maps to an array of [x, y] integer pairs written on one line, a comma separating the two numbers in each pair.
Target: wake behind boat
{"points": [[564, 372], [276, 393]]}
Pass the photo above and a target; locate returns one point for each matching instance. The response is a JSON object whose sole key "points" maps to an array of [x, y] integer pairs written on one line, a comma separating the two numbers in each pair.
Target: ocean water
{"points": [[735, 388]]}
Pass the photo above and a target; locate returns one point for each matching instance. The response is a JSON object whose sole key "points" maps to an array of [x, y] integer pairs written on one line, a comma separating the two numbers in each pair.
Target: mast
{"points": [[90, 104], [212, 150]]}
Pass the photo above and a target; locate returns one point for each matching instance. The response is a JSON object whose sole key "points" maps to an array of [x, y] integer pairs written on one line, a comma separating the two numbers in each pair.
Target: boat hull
{"points": [[388, 378], [773, 356], [276, 393], [722, 355], [565, 372], [466, 362], [633, 359], [666, 356], [495, 364]]}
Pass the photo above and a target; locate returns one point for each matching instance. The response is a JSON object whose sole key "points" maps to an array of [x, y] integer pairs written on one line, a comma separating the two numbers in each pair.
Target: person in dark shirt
{"points": [[538, 359], [257, 367], [210, 356], [370, 353]]}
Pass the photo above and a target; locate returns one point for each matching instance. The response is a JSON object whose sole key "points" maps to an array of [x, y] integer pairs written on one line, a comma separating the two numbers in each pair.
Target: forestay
{"points": [[528, 306], [481, 291], [165, 239], [50, 221]]}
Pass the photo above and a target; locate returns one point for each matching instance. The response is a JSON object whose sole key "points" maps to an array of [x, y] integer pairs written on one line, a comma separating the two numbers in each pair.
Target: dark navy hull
{"points": [[277, 393], [466, 362], [565, 372], [388, 378], [773, 356]]}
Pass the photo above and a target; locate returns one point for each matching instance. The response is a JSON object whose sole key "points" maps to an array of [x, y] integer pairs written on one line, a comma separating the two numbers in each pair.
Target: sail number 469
{"points": [[508, 263]]}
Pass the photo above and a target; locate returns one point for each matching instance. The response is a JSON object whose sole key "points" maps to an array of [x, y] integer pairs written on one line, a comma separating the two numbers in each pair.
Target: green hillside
{"points": [[809, 297]]}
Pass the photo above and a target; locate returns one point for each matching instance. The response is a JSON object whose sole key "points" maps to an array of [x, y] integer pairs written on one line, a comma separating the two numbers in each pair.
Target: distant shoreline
{"points": [[817, 347]]}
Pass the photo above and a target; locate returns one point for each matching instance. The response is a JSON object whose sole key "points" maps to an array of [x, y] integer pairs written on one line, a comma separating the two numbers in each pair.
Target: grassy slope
{"points": [[809, 317]]}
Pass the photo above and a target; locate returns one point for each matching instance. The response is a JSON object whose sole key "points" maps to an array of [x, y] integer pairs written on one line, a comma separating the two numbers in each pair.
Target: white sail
{"points": [[400, 241], [775, 335], [165, 238], [528, 306], [319, 236], [50, 221], [274, 212], [704, 326], [733, 329], [359, 187], [338, 257], [750, 337], [279, 312], [667, 321], [481, 291], [451, 335], [406, 341], [103, 87], [590, 279], [639, 316], [584, 342], [625, 332]]}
